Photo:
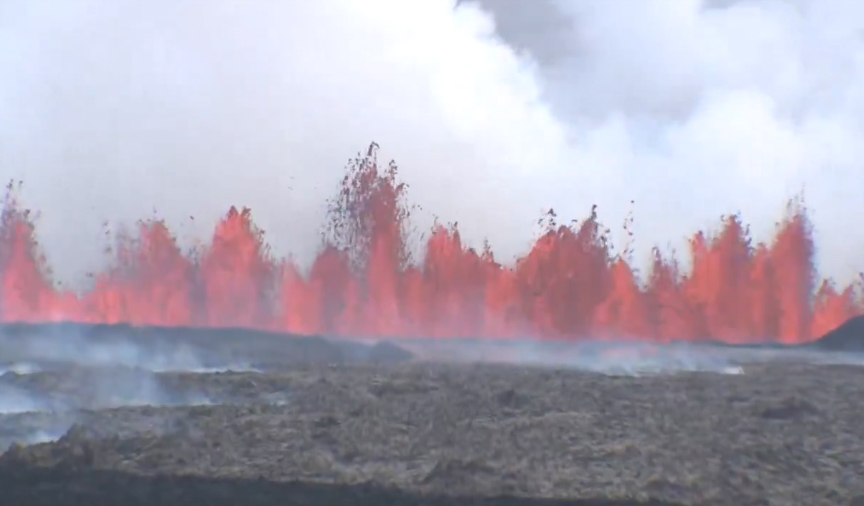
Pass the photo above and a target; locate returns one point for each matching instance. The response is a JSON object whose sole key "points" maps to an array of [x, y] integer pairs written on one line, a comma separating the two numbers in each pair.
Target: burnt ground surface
{"points": [[319, 423]]}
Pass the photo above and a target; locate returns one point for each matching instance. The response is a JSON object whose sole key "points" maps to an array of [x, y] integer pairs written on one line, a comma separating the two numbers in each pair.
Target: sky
{"points": [[495, 110]]}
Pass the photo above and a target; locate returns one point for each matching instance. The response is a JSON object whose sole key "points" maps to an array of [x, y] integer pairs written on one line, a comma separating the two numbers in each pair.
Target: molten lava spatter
{"points": [[364, 282]]}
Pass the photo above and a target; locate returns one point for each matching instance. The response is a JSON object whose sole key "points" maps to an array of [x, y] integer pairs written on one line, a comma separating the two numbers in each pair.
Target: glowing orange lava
{"points": [[364, 282]]}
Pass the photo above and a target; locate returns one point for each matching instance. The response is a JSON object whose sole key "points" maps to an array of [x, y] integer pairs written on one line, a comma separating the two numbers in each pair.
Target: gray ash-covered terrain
{"points": [[126, 416]]}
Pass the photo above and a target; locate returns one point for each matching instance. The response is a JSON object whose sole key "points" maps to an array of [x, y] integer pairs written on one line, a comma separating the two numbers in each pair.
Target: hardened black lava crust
{"points": [[309, 421]]}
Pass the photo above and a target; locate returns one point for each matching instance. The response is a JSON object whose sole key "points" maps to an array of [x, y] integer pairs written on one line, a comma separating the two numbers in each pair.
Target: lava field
{"points": [[115, 415]]}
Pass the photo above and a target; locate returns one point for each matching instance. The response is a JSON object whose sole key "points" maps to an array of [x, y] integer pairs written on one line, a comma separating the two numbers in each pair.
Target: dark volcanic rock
{"points": [[324, 422], [59, 487], [847, 337], [169, 346], [388, 353], [786, 434]]}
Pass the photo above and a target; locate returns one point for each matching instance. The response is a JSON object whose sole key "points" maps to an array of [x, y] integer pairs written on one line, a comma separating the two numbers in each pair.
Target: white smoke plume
{"points": [[495, 110]]}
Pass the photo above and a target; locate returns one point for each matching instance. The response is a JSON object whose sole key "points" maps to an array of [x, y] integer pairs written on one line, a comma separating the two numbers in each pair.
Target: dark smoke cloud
{"points": [[495, 110]]}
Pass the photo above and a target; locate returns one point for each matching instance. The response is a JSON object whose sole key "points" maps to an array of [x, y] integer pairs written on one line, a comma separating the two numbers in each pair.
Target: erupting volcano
{"points": [[364, 282]]}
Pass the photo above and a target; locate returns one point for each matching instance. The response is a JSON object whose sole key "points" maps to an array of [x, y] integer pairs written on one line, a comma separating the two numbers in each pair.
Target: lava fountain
{"points": [[364, 282]]}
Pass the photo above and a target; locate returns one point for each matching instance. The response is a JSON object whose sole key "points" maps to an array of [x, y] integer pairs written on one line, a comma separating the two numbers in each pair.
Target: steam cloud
{"points": [[115, 374], [495, 110], [73, 348]]}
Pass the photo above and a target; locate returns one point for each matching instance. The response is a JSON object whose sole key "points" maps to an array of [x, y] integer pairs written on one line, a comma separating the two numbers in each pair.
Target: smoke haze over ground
{"points": [[163, 401], [692, 109], [784, 433]]}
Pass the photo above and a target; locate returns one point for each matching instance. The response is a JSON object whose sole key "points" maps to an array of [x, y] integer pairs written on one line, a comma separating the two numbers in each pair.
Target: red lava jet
{"points": [[364, 282]]}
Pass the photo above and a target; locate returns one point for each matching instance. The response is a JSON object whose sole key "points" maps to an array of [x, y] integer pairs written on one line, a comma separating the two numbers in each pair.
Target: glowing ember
{"points": [[364, 283]]}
